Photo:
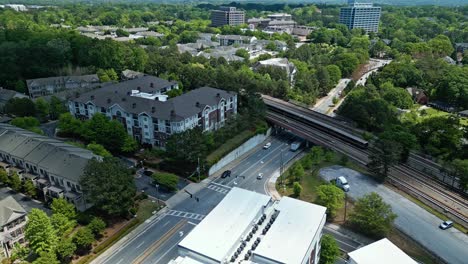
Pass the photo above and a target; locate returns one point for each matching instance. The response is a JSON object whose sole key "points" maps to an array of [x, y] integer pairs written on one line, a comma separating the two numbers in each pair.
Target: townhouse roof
{"points": [[235, 37], [150, 34], [10, 210], [56, 156], [6, 95], [59, 80], [176, 109]]}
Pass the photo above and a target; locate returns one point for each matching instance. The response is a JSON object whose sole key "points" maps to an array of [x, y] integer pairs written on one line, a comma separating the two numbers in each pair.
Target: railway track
{"points": [[443, 200]]}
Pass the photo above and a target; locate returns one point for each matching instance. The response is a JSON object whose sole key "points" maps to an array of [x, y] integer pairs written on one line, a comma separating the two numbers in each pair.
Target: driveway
{"points": [[451, 245], [27, 203]]}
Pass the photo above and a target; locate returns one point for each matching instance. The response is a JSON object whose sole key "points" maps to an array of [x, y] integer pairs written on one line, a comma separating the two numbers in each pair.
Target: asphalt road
{"points": [[324, 104], [451, 245]]}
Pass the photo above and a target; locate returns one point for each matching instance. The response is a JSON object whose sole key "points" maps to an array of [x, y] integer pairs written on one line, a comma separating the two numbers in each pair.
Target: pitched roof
{"points": [[56, 156], [176, 109], [60, 80], [10, 210], [6, 95]]}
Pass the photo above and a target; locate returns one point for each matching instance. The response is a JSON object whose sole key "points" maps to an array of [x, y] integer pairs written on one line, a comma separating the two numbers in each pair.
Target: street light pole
{"points": [[198, 168], [346, 205]]}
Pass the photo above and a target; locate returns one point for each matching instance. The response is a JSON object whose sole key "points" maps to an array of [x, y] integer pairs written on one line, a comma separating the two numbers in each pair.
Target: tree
{"points": [[29, 188], [115, 194], [441, 46], [110, 134], [46, 257], [331, 197], [56, 108], [243, 53], [168, 180], [68, 125], [15, 182], [20, 252], [121, 33], [271, 46], [372, 216], [460, 169], [383, 155], [98, 150], [20, 107], [334, 72], [130, 145], [329, 251], [40, 232], [83, 238], [4, 176], [65, 250], [42, 109], [61, 223], [62, 206], [297, 189], [107, 75], [97, 225], [186, 146]]}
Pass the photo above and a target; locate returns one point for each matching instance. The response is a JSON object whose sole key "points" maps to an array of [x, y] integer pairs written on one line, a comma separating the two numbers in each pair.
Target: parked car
{"points": [[267, 145], [342, 183], [295, 145], [226, 174], [260, 176], [446, 225]]}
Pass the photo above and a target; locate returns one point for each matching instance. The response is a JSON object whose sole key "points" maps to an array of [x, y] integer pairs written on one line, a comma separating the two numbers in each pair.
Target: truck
{"points": [[342, 183], [295, 145]]}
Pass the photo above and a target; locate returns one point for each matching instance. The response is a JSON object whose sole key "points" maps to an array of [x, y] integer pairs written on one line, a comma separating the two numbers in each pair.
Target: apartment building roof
{"points": [[55, 156], [382, 251], [10, 210], [59, 80], [176, 109]]}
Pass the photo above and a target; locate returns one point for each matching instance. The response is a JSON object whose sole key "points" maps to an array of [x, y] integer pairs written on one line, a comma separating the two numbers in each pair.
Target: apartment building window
{"points": [[135, 123], [76, 104], [146, 126]]}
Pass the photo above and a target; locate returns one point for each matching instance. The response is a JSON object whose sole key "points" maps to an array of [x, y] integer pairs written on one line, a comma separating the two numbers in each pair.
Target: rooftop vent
{"points": [[153, 109], [218, 95], [124, 99], [197, 104], [129, 93], [172, 113], [139, 88], [92, 97], [108, 100], [151, 85], [116, 92], [134, 105]]}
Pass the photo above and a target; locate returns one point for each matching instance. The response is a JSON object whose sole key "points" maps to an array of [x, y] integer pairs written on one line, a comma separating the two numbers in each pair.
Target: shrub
{"points": [[297, 188], [167, 180], [97, 225]]}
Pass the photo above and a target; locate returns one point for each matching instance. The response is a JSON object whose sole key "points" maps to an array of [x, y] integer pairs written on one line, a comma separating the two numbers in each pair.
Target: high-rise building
{"points": [[361, 15], [227, 16]]}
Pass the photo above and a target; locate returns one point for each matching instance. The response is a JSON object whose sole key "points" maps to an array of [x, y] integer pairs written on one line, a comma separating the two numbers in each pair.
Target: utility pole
{"points": [[198, 168], [346, 205]]}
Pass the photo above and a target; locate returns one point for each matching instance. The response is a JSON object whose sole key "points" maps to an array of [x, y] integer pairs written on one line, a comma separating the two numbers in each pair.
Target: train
{"points": [[322, 126]]}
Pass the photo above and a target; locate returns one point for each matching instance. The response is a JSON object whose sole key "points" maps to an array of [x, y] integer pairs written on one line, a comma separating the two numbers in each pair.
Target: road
{"points": [[325, 104], [413, 220]]}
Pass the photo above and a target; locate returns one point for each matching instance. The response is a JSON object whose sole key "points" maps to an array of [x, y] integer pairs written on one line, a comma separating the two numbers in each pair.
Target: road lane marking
{"points": [[166, 223], [159, 242], [221, 185], [120, 261], [186, 214], [141, 244], [192, 223]]}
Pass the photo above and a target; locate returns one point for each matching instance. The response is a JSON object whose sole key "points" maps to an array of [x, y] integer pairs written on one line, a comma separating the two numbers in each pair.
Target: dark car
{"points": [[226, 174]]}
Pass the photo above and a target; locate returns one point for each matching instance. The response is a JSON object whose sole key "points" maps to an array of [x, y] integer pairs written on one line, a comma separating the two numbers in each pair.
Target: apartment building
{"points": [[12, 221], [249, 227], [54, 166], [227, 16], [361, 15], [47, 86], [147, 112]]}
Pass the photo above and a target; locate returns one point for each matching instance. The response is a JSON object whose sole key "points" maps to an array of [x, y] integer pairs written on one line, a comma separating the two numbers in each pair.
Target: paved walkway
{"points": [[451, 245]]}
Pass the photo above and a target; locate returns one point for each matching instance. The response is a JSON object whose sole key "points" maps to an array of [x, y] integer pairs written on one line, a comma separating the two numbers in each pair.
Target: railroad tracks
{"points": [[409, 180]]}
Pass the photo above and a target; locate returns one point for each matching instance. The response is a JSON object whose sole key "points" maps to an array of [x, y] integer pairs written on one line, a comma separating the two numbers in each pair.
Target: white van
{"points": [[342, 183]]}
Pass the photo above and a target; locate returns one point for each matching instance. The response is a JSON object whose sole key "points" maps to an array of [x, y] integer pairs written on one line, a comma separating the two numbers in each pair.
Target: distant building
{"points": [[147, 112], [6, 95], [281, 63], [54, 166], [51, 85], [361, 15], [418, 95], [130, 75], [227, 16], [227, 40], [382, 252], [249, 227], [12, 222]]}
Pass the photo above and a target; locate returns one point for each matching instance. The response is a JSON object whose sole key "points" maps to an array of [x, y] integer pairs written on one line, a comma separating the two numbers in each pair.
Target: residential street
{"points": [[325, 104], [422, 226]]}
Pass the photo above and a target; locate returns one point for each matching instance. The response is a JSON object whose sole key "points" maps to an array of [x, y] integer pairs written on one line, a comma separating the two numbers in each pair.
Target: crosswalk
{"points": [[185, 215], [217, 189]]}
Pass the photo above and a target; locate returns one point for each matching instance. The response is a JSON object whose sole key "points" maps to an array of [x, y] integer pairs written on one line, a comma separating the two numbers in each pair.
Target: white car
{"points": [[267, 145], [446, 225], [260, 176], [342, 183]]}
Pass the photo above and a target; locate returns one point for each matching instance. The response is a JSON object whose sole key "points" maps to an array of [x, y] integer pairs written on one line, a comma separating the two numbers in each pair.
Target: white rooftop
{"points": [[275, 62], [221, 230], [290, 235], [382, 252]]}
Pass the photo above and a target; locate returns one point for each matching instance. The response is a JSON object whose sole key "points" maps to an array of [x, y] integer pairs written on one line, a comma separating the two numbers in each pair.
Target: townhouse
{"points": [[145, 110], [54, 167], [13, 219], [51, 85]]}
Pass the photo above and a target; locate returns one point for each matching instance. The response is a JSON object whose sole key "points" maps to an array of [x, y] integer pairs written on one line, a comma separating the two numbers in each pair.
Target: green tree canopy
{"points": [[20, 107], [372, 216], [329, 251], [46, 257], [40, 232], [331, 197], [114, 195], [167, 180], [83, 238], [62, 206]]}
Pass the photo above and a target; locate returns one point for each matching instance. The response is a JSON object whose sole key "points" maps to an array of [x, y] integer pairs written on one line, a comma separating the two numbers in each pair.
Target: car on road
{"points": [[342, 183], [260, 176], [446, 225], [267, 145], [226, 174]]}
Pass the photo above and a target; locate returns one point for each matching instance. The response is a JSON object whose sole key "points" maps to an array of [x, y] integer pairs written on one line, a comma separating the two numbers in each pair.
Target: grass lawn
{"points": [[230, 145], [146, 209], [430, 113]]}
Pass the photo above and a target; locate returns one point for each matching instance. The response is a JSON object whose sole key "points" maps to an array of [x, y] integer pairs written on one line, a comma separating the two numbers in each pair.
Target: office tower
{"points": [[361, 15], [227, 16]]}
